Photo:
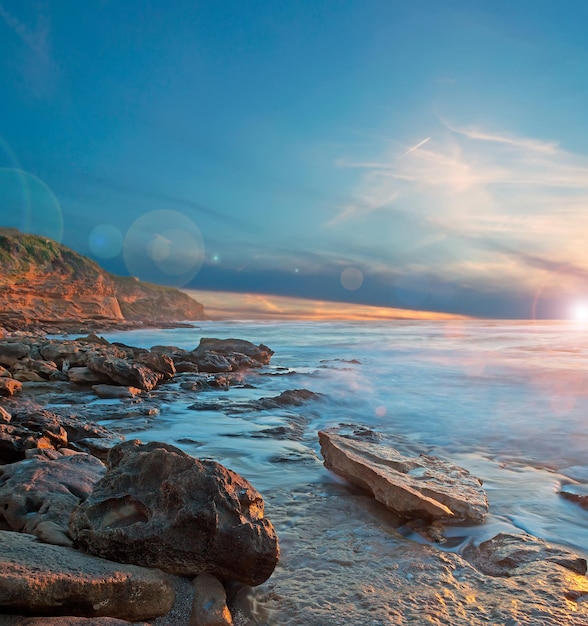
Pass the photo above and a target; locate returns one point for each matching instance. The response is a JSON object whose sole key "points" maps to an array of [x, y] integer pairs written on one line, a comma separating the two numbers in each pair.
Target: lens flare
{"points": [[351, 278], [28, 204], [105, 241], [164, 247]]}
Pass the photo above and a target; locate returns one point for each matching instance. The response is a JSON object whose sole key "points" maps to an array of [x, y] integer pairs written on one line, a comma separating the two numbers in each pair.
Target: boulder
{"points": [[210, 603], [85, 376], [11, 352], [37, 495], [504, 554], [291, 397], [68, 620], [125, 373], [261, 354], [41, 579], [27, 376], [575, 492], [159, 507], [160, 363], [424, 487], [115, 391], [31, 427], [9, 386]]}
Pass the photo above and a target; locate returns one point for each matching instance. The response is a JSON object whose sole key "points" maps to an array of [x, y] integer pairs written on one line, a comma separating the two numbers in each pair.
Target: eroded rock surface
{"points": [[344, 564], [37, 495], [41, 579], [422, 487], [157, 506]]}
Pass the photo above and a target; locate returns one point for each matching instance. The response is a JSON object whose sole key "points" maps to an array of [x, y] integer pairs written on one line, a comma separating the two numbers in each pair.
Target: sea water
{"points": [[506, 400]]}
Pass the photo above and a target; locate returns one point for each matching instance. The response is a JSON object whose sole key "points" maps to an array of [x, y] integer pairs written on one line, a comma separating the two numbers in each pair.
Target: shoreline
{"points": [[329, 534]]}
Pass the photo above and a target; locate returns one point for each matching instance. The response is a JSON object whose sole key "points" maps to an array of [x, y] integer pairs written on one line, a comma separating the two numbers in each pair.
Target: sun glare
{"points": [[580, 312]]}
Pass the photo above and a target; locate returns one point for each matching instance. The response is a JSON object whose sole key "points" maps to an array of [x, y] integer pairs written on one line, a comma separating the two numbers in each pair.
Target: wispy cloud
{"points": [[473, 186], [36, 61]]}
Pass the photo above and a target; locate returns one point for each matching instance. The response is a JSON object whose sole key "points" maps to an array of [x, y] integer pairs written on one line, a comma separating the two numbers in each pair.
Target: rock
{"points": [[185, 366], [27, 376], [85, 376], [575, 492], [32, 427], [5, 416], [160, 363], [77, 621], [125, 373], [261, 354], [42, 579], [210, 603], [291, 397], [37, 495], [9, 386], [11, 352], [157, 506], [115, 391], [504, 554], [211, 362], [70, 352], [423, 487], [345, 564]]}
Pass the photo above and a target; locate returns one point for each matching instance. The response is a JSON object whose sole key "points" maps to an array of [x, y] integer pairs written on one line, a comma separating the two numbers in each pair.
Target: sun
{"points": [[579, 312]]}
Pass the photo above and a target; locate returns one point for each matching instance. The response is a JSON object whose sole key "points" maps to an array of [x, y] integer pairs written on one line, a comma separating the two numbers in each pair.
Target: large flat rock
{"points": [[41, 579], [422, 487]]}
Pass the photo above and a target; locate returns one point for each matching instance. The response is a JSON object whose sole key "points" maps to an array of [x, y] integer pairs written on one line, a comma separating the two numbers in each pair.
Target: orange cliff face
{"points": [[43, 282]]}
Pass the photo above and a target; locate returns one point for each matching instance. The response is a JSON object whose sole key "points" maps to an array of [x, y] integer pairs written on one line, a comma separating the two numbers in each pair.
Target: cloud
{"points": [[36, 60], [484, 194]]}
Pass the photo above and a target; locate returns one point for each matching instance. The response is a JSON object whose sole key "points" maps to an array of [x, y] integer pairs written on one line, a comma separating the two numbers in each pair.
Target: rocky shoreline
{"points": [[95, 529]]}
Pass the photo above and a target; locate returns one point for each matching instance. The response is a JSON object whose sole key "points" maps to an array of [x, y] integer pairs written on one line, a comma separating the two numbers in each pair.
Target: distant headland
{"points": [[47, 286]]}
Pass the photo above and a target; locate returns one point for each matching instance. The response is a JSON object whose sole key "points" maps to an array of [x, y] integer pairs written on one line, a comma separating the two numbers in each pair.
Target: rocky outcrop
{"points": [[423, 488], [158, 507], [42, 579], [49, 284]]}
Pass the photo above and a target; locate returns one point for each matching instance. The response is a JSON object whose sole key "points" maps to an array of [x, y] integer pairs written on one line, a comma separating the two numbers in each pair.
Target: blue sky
{"points": [[427, 155]]}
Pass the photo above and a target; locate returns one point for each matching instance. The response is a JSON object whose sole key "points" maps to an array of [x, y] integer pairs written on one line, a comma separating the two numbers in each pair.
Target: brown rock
{"points": [[504, 554], [237, 354], [27, 376], [11, 352], [157, 506], [37, 495], [124, 372], [345, 564], [85, 376], [9, 386], [77, 621], [161, 363], [210, 603], [37, 578], [424, 487], [115, 391]]}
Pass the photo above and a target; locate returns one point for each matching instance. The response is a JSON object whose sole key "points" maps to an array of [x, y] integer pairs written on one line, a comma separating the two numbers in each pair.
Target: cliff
{"points": [[43, 283]]}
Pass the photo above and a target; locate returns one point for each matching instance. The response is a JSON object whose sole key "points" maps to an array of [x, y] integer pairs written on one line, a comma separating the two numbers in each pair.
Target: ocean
{"points": [[506, 400]]}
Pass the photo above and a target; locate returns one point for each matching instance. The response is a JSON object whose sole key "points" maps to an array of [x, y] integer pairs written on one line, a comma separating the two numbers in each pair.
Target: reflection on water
{"points": [[508, 401]]}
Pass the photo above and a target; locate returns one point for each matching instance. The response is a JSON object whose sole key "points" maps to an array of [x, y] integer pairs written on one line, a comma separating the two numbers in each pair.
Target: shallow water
{"points": [[506, 400]]}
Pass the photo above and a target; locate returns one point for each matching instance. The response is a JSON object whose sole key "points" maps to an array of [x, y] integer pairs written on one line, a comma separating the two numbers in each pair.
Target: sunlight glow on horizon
{"points": [[252, 306]]}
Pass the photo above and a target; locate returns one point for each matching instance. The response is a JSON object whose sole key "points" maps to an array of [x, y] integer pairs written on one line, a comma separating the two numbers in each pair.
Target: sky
{"points": [[419, 155]]}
